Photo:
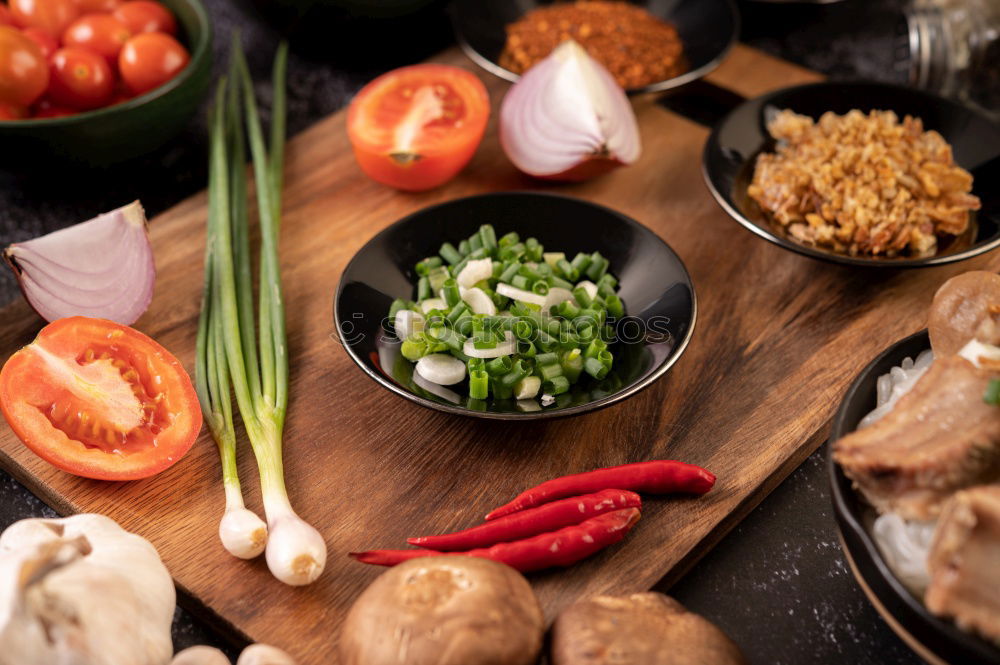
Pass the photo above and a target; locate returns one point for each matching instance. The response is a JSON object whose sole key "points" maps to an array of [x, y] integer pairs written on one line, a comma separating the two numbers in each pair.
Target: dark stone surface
{"points": [[778, 583]]}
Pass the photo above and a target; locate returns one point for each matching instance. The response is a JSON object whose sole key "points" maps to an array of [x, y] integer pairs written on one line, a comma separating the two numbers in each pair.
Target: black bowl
{"points": [[708, 29], [654, 284], [935, 639], [732, 149]]}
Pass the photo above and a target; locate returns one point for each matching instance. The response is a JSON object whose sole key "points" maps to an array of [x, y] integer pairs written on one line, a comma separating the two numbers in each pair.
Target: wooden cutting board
{"points": [[778, 339]]}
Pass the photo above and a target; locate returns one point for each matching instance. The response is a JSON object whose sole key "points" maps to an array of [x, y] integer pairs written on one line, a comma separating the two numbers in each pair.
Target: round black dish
{"points": [[940, 637], [653, 282], [734, 144], [708, 29]]}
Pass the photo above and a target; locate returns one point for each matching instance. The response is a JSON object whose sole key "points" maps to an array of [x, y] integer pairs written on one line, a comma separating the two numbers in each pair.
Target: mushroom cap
{"points": [[640, 629], [444, 610], [961, 311]]}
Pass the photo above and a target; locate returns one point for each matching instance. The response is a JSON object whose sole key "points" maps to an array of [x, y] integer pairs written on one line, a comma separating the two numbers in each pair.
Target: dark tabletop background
{"points": [[778, 583]]}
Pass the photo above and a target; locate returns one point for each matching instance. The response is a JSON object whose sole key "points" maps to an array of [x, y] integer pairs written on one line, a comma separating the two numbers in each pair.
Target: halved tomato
{"points": [[416, 127], [100, 400]]}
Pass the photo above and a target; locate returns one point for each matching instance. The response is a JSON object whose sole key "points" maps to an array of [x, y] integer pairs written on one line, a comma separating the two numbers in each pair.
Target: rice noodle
{"points": [[904, 544], [895, 384]]}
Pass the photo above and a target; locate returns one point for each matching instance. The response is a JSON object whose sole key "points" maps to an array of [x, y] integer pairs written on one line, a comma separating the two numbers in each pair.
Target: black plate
{"points": [[732, 150], [939, 636], [654, 284], [708, 29]]}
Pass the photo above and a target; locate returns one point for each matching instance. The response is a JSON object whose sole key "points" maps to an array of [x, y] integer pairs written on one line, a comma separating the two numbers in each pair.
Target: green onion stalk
{"points": [[256, 361]]}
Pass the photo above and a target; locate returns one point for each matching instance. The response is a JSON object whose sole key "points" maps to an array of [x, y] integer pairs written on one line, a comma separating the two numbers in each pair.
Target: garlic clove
{"points": [[264, 654]]}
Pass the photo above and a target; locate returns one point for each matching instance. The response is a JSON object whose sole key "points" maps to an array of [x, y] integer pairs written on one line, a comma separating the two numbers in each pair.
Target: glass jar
{"points": [[952, 47]]}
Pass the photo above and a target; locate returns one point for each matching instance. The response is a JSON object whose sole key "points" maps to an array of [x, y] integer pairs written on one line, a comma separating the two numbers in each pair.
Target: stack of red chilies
{"points": [[560, 521]]}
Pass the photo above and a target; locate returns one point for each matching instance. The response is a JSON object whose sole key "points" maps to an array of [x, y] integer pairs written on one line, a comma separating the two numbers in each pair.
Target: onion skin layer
{"points": [[76, 271], [585, 170]]}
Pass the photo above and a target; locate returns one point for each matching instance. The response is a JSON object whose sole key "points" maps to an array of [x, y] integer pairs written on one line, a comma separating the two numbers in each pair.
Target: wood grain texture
{"points": [[778, 338]]}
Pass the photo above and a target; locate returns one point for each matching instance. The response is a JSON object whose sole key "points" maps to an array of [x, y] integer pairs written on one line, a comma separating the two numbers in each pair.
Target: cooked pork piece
{"points": [[964, 562], [965, 307], [940, 437], [640, 629]]}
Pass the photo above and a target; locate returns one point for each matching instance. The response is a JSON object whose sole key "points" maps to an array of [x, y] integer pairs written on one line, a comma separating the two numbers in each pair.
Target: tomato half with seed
{"points": [[100, 400], [416, 127]]}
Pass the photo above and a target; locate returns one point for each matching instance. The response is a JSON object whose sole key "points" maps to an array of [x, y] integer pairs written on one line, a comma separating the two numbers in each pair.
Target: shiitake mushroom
{"points": [[640, 629], [964, 308], [446, 610]]}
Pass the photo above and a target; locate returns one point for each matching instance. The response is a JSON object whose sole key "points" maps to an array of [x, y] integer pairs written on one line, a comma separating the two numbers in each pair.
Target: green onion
{"points": [[257, 368], [594, 348], [572, 364], [598, 266], [581, 296], [509, 239], [423, 289], [548, 371], [615, 306], [527, 387], [501, 391], [414, 348], [475, 244], [449, 290], [533, 250], [456, 313], [463, 249], [479, 384], [992, 394], [488, 236], [499, 366], [567, 271], [595, 368], [449, 253], [517, 372], [554, 281], [557, 385], [426, 265], [397, 305]]}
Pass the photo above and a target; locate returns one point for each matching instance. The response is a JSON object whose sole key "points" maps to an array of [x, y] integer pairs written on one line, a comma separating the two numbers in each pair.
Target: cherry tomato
{"points": [[416, 127], [101, 33], [100, 400], [146, 16], [80, 79], [5, 17], [45, 41], [149, 60], [23, 72], [52, 16], [12, 112], [98, 6]]}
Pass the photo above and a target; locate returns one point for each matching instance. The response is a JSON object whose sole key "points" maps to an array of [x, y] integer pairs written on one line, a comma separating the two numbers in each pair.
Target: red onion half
{"points": [[567, 118], [101, 268]]}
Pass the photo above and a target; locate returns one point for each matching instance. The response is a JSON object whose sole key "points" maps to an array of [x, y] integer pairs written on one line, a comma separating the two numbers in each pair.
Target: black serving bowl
{"points": [[114, 134], [707, 28], [735, 143], [935, 639], [653, 283]]}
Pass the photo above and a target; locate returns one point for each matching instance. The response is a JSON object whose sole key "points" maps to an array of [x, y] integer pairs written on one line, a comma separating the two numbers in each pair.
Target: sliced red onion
{"points": [[568, 119], [101, 268]]}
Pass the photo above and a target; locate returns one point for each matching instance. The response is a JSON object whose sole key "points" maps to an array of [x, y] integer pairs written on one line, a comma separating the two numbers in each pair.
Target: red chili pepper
{"points": [[656, 477], [532, 522], [558, 548]]}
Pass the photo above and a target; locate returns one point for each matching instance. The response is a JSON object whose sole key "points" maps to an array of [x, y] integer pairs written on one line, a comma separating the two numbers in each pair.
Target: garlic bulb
{"points": [[82, 591]]}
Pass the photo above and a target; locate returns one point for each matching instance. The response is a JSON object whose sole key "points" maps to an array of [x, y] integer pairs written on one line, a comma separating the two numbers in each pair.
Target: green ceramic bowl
{"points": [[117, 133]]}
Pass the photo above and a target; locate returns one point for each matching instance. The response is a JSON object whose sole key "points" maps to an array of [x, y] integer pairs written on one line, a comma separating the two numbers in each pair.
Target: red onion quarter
{"points": [[101, 268], [567, 119]]}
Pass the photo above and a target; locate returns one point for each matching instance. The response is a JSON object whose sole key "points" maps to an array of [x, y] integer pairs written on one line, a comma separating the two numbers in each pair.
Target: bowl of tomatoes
{"points": [[98, 82]]}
